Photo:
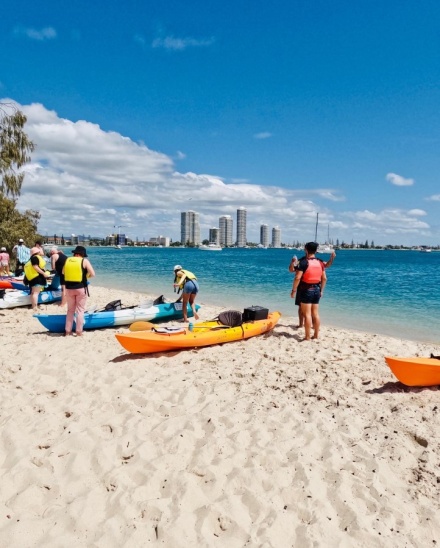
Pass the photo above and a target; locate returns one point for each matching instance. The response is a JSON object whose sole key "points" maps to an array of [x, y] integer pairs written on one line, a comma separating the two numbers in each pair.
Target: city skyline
{"points": [[291, 109]]}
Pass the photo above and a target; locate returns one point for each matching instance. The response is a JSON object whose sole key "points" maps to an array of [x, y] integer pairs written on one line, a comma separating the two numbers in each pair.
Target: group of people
{"points": [[308, 288]]}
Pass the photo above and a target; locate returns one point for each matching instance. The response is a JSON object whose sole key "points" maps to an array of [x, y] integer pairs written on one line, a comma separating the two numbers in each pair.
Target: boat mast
{"points": [[316, 228]]}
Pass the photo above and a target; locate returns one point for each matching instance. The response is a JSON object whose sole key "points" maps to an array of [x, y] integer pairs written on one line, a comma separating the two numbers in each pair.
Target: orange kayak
{"points": [[415, 371], [203, 334]]}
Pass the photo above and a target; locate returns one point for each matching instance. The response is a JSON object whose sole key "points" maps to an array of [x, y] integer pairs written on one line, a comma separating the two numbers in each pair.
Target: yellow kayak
{"points": [[203, 334]]}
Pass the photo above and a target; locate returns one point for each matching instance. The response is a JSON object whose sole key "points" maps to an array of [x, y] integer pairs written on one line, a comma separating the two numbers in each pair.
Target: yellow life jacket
{"points": [[29, 269], [187, 276], [73, 269]]}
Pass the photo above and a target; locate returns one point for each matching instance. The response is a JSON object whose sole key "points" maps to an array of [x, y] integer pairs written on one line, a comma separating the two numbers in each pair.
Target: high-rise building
{"points": [[241, 227], [189, 228], [214, 236], [264, 235], [276, 236], [225, 223]]}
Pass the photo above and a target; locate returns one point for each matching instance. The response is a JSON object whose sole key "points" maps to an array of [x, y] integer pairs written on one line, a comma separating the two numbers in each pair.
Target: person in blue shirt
{"points": [[23, 254]]}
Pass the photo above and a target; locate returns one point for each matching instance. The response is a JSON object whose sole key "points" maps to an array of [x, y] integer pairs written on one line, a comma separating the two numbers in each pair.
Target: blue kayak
{"points": [[114, 318]]}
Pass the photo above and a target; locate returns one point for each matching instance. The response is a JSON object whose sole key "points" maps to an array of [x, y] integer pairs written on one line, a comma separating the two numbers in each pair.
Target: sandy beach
{"points": [[268, 442]]}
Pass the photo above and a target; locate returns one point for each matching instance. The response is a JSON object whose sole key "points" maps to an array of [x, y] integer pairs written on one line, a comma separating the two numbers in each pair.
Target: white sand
{"points": [[266, 442]]}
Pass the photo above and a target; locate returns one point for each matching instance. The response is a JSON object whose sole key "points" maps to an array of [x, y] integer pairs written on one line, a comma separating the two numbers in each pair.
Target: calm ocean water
{"points": [[389, 292]]}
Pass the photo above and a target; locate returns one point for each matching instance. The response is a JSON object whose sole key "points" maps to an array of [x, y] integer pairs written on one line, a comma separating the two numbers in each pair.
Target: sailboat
{"points": [[325, 247]]}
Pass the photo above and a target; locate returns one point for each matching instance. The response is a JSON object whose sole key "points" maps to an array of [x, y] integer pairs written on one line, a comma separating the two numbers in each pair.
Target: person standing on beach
{"points": [[311, 277], [57, 261], [4, 262], [293, 265], [22, 254], [76, 271], [186, 281], [36, 275]]}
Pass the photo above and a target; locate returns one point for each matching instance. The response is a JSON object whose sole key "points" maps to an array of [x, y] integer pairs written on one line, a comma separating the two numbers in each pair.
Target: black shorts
{"points": [[310, 294]]}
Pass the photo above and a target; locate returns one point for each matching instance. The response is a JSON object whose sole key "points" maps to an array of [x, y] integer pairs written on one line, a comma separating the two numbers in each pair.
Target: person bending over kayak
{"points": [[186, 281]]}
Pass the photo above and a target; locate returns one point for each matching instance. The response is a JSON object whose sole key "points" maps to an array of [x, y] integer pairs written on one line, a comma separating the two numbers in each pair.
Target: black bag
{"points": [[231, 318], [253, 313], [113, 305]]}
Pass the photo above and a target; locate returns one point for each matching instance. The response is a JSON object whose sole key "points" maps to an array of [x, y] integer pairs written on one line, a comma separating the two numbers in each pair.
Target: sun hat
{"points": [[177, 267], [80, 250], [36, 251]]}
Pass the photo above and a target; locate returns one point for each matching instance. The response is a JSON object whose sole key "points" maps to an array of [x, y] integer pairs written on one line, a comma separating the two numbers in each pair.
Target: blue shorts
{"points": [[191, 287], [310, 295]]}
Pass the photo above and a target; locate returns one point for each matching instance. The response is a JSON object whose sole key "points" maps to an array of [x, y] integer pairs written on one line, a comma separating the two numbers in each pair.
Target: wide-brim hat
{"points": [[80, 250], [36, 251]]}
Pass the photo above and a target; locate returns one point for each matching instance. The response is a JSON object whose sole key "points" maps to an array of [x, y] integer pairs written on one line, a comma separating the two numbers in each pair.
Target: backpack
{"points": [[113, 305], [231, 318]]}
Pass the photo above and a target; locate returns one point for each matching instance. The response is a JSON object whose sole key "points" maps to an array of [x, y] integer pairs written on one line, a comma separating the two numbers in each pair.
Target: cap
{"points": [[177, 267], [20, 241], [3, 248], [80, 250]]}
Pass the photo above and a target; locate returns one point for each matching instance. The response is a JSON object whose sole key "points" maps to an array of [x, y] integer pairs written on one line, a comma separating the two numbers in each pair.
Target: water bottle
{"points": [[190, 326]]}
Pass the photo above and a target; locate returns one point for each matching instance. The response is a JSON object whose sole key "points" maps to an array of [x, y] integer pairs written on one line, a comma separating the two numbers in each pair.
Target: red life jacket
{"points": [[313, 273]]}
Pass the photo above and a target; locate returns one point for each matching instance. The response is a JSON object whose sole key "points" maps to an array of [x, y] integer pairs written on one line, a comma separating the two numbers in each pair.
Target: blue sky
{"points": [[141, 109]]}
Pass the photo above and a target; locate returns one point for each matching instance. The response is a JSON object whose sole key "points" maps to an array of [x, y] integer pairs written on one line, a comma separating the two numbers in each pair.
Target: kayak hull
{"points": [[203, 334], [15, 298], [415, 371], [114, 318]]}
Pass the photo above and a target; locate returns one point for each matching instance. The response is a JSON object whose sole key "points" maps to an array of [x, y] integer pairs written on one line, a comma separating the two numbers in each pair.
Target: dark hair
{"points": [[311, 247]]}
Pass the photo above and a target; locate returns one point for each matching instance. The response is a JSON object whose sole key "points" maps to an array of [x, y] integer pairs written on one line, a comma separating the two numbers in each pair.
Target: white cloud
{"points": [[85, 180], [46, 33], [262, 135], [434, 198], [180, 44], [398, 180]]}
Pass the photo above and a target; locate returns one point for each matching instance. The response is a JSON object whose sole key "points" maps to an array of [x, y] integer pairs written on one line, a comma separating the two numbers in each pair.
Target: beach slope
{"points": [[264, 442]]}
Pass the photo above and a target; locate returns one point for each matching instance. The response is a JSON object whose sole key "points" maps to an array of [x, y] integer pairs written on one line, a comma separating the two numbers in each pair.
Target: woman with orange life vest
{"points": [[310, 280], [186, 281], [36, 275], [293, 266], [76, 270]]}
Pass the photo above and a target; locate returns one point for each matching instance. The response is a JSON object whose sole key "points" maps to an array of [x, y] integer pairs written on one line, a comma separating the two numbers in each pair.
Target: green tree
{"points": [[15, 147], [15, 225]]}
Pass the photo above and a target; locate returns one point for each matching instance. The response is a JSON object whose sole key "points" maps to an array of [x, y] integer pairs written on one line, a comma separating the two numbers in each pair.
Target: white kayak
{"points": [[14, 298]]}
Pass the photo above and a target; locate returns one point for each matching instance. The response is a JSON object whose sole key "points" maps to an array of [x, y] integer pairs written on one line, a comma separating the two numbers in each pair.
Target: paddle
{"points": [[146, 326], [141, 326]]}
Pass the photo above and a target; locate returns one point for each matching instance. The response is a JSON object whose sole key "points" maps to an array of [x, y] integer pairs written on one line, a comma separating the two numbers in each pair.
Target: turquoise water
{"points": [[389, 292]]}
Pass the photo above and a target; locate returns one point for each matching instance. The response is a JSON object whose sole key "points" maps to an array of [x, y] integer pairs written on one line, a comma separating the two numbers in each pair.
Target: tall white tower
{"points": [[189, 228], [225, 223], [276, 236], [214, 235], [241, 227], [264, 235]]}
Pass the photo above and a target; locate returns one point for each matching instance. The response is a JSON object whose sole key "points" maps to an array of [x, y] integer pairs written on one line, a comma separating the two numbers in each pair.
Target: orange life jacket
{"points": [[313, 273]]}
